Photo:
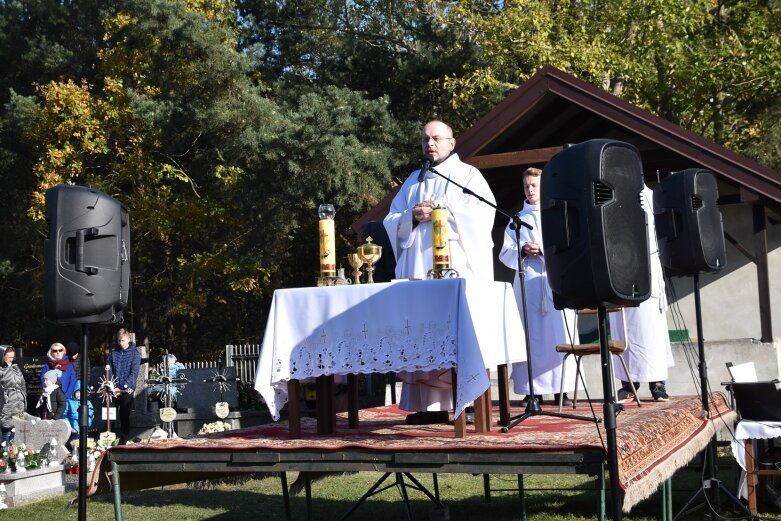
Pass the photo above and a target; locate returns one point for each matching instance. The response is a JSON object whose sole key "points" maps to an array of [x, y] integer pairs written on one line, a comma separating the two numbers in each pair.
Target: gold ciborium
{"points": [[356, 262], [370, 253]]}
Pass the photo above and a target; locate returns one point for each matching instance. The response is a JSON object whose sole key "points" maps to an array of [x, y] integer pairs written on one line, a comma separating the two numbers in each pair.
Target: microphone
{"points": [[423, 169]]}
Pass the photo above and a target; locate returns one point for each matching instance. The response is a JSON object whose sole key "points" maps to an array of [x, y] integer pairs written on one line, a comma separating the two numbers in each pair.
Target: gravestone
{"points": [[31, 370], [36, 434], [200, 395]]}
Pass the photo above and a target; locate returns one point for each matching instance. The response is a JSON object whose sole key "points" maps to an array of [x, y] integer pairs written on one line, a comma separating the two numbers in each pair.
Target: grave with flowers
{"points": [[31, 466], [28, 475]]}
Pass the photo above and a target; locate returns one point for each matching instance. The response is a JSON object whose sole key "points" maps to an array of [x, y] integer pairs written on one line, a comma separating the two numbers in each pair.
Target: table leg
{"points": [[504, 395], [352, 401], [294, 408], [459, 423], [326, 412], [483, 409], [751, 476]]}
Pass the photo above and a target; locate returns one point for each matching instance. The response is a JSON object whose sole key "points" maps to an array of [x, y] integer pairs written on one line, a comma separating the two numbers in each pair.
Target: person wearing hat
{"points": [[13, 392], [51, 405], [72, 350]]}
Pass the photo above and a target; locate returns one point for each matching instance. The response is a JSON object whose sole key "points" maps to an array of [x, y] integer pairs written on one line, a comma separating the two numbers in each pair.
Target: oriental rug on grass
{"points": [[653, 441]]}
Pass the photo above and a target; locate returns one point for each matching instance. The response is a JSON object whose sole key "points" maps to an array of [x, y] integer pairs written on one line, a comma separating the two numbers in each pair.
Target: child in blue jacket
{"points": [[72, 409]]}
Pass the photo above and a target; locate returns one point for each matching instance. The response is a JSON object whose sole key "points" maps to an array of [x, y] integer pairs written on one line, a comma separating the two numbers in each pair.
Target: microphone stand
{"points": [[533, 407]]}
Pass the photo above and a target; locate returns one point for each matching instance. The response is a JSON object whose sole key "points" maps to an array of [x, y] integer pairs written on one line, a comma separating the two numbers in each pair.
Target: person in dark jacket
{"points": [[124, 362], [51, 405], [13, 393]]}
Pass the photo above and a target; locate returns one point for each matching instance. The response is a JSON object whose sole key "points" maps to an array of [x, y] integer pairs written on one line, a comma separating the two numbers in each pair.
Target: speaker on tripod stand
{"points": [[691, 240], [86, 275], [594, 233]]}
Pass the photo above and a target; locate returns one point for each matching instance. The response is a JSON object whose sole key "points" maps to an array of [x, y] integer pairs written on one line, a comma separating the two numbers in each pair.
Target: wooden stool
{"points": [[579, 351]]}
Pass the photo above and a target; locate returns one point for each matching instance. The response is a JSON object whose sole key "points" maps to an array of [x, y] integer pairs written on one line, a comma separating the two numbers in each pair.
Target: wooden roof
{"points": [[554, 108]]}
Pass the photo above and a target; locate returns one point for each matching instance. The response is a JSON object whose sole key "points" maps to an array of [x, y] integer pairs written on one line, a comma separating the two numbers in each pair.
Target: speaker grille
{"points": [[696, 203]]}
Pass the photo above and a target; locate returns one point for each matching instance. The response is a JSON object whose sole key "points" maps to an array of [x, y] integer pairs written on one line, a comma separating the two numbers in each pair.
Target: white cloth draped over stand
{"points": [[753, 430], [399, 326]]}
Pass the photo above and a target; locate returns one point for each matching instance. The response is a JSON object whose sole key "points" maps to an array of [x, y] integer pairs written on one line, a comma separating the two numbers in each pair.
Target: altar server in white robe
{"points": [[648, 353], [547, 325], [408, 224]]}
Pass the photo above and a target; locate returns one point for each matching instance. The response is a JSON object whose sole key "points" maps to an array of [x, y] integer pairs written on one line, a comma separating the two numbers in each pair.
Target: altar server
{"points": [[469, 236], [547, 325], [648, 353]]}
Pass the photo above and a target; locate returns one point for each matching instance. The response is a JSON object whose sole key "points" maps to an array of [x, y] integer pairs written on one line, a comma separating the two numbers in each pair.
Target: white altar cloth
{"points": [[754, 430], [407, 325]]}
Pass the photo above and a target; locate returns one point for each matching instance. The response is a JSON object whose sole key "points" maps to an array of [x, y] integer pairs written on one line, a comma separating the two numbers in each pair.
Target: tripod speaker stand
{"points": [[707, 493], [691, 240]]}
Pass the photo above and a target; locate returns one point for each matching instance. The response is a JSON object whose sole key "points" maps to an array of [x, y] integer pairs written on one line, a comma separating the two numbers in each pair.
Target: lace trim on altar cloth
{"points": [[324, 353]]}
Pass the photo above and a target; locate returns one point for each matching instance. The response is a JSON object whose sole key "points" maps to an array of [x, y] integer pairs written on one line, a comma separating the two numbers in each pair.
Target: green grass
{"points": [[261, 499]]}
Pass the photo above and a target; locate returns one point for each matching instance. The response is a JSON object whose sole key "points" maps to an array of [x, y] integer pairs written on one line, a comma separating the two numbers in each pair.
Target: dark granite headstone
{"points": [[201, 395]]}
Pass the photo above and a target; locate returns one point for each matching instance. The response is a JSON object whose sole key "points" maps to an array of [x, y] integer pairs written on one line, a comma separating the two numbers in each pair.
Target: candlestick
{"points": [[326, 212], [439, 239], [440, 245]]}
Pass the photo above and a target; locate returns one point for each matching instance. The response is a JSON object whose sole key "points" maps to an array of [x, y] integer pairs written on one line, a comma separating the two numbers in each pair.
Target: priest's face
{"points": [[531, 187], [437, 141]]}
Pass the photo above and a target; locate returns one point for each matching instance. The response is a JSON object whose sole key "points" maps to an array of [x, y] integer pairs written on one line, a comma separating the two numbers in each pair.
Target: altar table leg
{"points": [[326, 411], [504, 395], [294, 409], [483, 409], [352, 401], [459, 423]]}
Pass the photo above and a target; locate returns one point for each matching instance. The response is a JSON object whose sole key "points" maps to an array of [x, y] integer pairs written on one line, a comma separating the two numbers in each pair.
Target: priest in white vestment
{"points": [[547, 325], [408, 224], [648, 353]]}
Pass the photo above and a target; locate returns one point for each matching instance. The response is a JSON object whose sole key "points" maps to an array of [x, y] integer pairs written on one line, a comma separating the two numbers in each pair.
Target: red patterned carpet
{"points": [[653, 440]]}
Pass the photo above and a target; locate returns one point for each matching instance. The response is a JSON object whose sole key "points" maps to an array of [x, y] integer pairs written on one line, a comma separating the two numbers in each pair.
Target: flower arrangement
{"points": [[218, 426], [95, 449], [12, 457]]}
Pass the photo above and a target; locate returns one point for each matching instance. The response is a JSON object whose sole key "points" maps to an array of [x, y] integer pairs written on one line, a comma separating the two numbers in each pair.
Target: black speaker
{"points": [[594, 227], [86, 256], [688, 223]]}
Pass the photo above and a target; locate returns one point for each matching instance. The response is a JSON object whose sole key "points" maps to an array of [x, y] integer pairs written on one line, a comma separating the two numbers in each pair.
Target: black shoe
{"points": [[660, 393], [526, 398], [427, 418], [566, 402], [625, 395]]}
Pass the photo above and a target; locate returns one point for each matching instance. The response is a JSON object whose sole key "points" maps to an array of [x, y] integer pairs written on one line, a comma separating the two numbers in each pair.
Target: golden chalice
{"points": [[370, 253], [355, 262]]}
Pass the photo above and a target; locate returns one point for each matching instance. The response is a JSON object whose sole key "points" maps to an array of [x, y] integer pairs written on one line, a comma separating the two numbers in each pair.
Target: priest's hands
{"points": [[532, 249], [421, 212]]}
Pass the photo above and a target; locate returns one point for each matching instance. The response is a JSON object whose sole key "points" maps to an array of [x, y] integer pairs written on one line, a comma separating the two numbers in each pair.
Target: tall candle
{"points": [[441, 247], [327, 248]]}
